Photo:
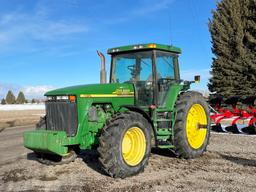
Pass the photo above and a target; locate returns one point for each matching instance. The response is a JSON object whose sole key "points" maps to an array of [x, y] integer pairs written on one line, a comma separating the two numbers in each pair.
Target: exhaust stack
{"points": [[103, 76]]}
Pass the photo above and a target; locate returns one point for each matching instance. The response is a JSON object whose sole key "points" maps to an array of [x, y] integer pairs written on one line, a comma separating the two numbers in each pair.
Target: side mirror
{"points": [[197, 78]]}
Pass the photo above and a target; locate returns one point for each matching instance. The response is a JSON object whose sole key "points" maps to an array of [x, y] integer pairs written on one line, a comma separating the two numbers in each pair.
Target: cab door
{"points": [[144, 80], [166, 75]]}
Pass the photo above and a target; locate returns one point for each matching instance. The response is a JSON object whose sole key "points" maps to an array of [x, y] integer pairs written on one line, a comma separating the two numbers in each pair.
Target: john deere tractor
{"points": [[144, 105]]}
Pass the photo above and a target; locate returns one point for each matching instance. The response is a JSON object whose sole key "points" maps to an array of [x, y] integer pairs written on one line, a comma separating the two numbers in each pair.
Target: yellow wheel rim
{"points": [[195, 134], [133, 146]]}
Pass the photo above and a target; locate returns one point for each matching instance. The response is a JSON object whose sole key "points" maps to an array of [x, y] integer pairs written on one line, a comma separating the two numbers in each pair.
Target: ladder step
{"points": [[163, 120], [162, 137], [164, 132], [166, 146]]}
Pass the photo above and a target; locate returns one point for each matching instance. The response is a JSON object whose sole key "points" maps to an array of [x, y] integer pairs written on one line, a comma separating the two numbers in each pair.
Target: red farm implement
{"points": [[234, 114]]}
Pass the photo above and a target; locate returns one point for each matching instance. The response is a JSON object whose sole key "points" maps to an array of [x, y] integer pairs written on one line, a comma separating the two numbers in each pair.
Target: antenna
{"points": [[170, 26]]}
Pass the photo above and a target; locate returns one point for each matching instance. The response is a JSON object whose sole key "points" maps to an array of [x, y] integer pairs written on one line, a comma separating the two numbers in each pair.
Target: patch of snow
{"points": [[20, 107]]}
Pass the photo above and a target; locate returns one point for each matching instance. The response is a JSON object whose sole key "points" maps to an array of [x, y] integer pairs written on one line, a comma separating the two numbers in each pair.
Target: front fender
{"points": [[145, 115]]}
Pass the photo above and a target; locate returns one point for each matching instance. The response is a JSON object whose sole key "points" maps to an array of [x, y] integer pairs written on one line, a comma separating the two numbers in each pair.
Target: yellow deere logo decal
{"points": [[117, 93], [123, 92]]}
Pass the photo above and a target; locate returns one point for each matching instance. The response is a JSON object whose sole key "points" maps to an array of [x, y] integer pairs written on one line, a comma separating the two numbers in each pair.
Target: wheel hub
{"points": [[133, 146], [196, 126]]}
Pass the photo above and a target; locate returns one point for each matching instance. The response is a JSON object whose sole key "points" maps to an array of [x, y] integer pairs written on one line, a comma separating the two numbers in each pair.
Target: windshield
{"points": [[132, 67]]}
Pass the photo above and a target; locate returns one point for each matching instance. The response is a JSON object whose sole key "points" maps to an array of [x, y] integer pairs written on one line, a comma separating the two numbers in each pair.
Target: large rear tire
{"points": [[192, 125], [125, 145]]}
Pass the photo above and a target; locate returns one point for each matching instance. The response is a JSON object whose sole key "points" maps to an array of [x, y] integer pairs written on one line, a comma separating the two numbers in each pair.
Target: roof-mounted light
{"points": [[115, 50], [151, 45], [138, 47]]}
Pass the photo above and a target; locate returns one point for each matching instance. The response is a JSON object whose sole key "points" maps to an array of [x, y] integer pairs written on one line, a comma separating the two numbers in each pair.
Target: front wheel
{"points": [[192, 125], [51, 159], [41, 125], [125, 145]]}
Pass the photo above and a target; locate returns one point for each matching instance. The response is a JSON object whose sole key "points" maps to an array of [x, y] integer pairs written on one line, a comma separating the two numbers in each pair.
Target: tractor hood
{"points": [[96, 90]]}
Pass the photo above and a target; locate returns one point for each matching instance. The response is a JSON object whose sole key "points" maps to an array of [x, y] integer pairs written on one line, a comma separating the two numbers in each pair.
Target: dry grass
{"points": [[19, 118]]}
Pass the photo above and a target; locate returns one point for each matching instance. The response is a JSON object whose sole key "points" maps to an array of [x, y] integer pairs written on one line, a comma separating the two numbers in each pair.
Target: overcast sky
{"points": [[48, 44]]}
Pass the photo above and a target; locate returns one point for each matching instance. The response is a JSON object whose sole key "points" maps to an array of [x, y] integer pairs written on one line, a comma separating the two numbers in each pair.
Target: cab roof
{"points": [[148, 46]]}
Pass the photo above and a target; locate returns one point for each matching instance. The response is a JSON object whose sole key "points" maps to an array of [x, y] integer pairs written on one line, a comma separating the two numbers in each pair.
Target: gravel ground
{"points": [[228, 165]]}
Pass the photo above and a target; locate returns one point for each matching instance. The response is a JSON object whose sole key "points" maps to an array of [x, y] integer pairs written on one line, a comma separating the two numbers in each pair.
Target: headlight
{"points": [[62, 97], [70, 98], [50, 98]]}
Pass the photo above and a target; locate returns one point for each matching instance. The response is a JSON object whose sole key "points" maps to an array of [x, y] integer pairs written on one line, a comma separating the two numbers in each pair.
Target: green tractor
{"points": [[144, 105]]}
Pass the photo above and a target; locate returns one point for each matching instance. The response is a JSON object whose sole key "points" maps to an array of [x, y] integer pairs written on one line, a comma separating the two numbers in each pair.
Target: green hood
{"points": [[92, 89]]}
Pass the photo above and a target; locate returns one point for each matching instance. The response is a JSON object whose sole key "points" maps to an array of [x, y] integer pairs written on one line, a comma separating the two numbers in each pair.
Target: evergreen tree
{"points": [[10, 98], [3, 102], [233, 31], [21, 98], [249, 40], [33, 101]]}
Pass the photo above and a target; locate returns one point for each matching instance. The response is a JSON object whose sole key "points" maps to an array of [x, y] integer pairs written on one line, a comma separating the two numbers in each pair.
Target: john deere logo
{"points": [[120, 92]]}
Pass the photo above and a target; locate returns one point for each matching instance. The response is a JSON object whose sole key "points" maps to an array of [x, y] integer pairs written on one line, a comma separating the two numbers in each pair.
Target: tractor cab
{"points": [[151, 68]]}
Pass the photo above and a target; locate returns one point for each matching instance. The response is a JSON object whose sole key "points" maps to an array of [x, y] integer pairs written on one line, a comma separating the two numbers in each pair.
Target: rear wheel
{"points": [[125, 145], [192, 125]]}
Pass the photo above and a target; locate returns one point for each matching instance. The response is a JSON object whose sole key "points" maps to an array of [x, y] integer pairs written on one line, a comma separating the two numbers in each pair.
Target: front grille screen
{"points": [[61, 116]]}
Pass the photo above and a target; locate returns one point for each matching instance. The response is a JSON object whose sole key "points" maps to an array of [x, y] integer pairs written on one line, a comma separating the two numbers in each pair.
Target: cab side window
{"points": [[165, 74]]}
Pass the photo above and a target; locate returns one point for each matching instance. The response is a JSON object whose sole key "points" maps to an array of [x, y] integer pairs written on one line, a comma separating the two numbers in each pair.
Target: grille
{"points": [[61, 116]]}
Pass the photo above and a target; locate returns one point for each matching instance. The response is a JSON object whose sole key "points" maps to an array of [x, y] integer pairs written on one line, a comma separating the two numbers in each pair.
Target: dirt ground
{"points": [[228, 165], [19, 118]]}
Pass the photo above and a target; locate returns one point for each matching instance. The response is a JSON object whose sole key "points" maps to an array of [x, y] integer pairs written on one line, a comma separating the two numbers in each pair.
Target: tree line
{"points": [[11, 99]]}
